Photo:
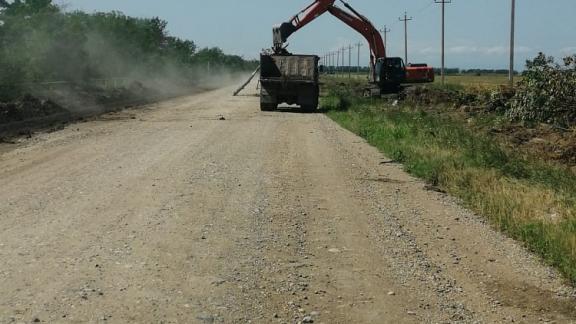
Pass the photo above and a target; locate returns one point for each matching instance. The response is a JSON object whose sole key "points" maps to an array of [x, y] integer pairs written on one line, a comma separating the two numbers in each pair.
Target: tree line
{"points": [[40, 42]]}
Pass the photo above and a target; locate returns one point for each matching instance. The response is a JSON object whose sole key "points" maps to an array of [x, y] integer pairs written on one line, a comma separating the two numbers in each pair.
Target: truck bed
{"points": [[289, 67], [291, 79]]}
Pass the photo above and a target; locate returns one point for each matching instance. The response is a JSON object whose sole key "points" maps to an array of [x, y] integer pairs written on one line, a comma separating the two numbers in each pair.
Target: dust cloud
{"points": [[109, 79]]}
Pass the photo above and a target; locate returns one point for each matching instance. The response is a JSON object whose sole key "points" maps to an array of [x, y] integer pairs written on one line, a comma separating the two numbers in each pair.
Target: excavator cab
{"points": [[391, 72]]}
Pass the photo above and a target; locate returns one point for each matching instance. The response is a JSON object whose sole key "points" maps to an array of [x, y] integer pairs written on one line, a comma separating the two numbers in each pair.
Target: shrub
{"points": [[547, 92]]}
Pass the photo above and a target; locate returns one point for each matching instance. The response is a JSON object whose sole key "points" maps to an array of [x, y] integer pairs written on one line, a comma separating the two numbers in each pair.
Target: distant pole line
{"points": [[385, 31], [359, 44], [333, 62], [405, 20], [512, 30], [443, 2], [343, 60], [350, 61], [337, 62]]}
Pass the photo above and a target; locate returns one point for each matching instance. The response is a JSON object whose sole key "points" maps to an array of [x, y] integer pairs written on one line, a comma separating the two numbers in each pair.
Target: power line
{"points": [[350, 61], [443, 3], [385, 31], [405, 20], [337, 61], [417, 11], [343, 60], [331, 58], [359, 44], [427, 6]]}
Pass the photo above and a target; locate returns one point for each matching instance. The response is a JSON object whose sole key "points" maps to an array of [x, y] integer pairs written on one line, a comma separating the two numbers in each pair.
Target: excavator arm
{"points": [[354, 19], [301, 19], [364, 27]]}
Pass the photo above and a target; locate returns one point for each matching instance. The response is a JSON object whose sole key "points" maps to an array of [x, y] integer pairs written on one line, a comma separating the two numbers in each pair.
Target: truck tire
{"points": [[309, 108], [268, 106]]}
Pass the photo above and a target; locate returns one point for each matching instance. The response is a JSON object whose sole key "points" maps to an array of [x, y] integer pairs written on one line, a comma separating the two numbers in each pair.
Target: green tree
{"points": [[39, 42]]}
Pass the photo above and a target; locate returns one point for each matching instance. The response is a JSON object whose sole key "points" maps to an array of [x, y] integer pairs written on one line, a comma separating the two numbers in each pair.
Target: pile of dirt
{"points": [[77, 100], [71, 101], [427, 96], [28, 107], [477, 99], [544, 141]]}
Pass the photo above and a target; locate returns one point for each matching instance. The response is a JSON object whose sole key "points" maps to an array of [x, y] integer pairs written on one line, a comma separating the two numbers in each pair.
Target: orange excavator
{"points": [[387, 73]]}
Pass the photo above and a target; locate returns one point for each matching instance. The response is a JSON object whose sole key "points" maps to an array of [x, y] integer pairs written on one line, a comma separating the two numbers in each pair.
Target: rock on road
{"points": [[171, 214]]}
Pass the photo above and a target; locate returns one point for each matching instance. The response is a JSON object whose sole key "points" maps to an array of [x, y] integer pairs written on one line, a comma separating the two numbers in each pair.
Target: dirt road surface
{"points": [[172, 214]]}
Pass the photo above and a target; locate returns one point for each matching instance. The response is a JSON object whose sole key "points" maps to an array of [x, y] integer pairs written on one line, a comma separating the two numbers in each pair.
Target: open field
{"points": [[466, 80], [489, 80]]}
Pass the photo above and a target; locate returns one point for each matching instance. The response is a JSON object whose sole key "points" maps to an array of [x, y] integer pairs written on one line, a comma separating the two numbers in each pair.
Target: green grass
{"points": [[530, 200]]}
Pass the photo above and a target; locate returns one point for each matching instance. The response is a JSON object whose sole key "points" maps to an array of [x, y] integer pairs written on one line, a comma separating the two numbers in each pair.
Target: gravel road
{"points": [[203, 209]]}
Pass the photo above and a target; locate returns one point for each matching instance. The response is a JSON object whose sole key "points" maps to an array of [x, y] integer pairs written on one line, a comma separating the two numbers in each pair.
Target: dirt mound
{"points": [[27, 107], [544, 141]]}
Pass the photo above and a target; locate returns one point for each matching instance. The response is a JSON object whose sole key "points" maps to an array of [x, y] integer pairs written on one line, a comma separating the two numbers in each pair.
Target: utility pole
{"points": [[512, 27], [385, 31], [343, 60], [337, 61], [443, 2], [350, 61], [334, 62], [358, 45], [332, 57], [405, 20]]}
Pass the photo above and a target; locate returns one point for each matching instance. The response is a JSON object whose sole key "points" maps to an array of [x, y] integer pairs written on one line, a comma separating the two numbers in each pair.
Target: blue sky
{"points": [[476, 37]]}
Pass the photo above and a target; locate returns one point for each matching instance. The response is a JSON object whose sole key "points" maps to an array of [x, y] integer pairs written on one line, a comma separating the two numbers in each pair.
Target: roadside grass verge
{"points": [[531, 200]]}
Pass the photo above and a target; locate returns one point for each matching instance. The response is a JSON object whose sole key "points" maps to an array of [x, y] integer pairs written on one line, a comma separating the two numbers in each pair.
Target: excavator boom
{"points": [[353, 19], [301, 19]]}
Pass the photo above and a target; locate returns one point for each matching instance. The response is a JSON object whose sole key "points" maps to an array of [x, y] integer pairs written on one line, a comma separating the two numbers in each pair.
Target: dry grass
{"points": [[476, 81], [531, 200]]}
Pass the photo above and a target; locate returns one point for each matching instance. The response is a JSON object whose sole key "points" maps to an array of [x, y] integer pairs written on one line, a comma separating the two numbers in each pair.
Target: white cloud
{"points": [[523, 50], [429, 50], [462, 49], [477, 50], [495, 50]]}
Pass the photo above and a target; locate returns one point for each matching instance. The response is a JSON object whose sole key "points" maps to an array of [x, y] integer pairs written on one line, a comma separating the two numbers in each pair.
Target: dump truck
{"points": [[289, 78]]}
